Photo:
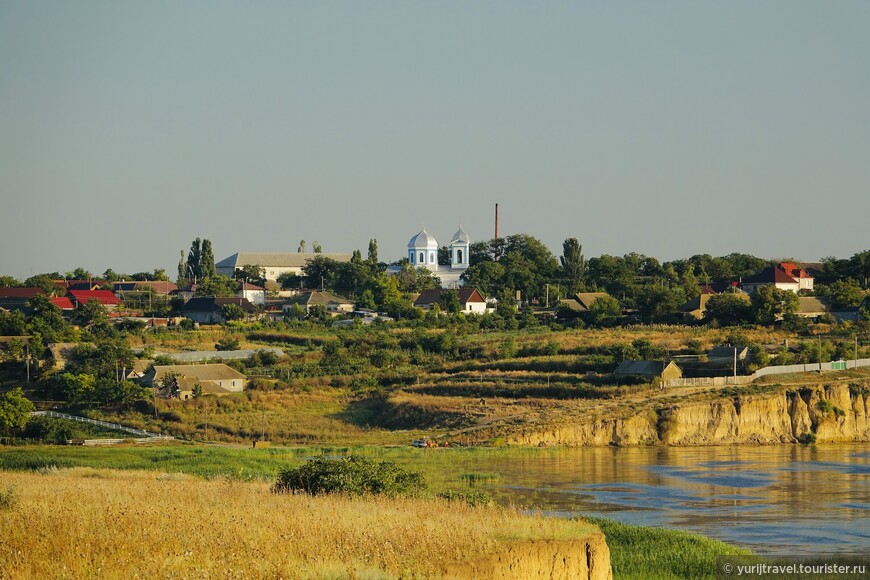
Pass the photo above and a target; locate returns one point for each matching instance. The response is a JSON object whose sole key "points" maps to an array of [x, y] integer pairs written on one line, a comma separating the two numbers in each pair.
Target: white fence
{"points": [[774, 370], [104, 424]]}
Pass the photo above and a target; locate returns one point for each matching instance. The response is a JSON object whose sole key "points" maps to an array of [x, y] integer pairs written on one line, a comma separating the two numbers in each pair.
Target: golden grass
{"points": [[82, 522]]}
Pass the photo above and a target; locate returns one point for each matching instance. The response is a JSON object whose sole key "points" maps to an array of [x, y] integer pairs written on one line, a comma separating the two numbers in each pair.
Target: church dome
{"points": [[423, 241], [460, 236]]}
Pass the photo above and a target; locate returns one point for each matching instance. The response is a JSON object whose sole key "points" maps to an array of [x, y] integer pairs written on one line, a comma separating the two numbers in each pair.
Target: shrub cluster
{"points": [[350, 475]]}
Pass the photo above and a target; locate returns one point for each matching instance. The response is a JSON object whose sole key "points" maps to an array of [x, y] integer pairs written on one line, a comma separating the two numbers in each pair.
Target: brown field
{"points": [[84, 523]]}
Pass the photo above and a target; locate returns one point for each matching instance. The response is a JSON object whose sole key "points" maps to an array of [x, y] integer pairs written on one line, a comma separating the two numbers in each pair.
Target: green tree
{"points": [[111, 276], [728, 309], [770, 304], [416, 279], [289, 280], [12, 323], [367, 300], [44, 281], [233, 312], [486, 275], [506, 307], [91, 313], [218, 286], [859, 267], [372, 258], [252, 273], [206, 260], [295, 312], [9, 282], [603, 311], [450, 301], [74, 388], [301, 248], [321, 271], [46, 320], [80, 274], [194, 269], [573, 262], [227, 343], [182, 269], [656, 303], [844, 293], [315, 247], [15, 410]]}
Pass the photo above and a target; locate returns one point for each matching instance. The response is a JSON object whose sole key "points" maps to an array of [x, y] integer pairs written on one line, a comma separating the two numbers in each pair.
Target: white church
{"points": [[423, 253]]}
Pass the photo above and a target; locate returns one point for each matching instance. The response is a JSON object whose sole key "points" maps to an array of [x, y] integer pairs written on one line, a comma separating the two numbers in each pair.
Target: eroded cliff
{"points": [[587, 559], [820, 413]]}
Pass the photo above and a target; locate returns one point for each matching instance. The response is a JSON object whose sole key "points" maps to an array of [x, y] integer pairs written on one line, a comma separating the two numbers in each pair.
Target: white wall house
{"points": [[770, 276], [256, 295], [274, 263]]}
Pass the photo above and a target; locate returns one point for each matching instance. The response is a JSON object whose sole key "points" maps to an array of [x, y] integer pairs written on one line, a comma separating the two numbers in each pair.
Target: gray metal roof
{"points": [[275, 259], [648, 368], [201, 355], [460, 236], [423, 240]]}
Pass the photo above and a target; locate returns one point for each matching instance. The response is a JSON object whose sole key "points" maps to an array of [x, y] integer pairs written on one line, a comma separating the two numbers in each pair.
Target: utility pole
{"points": [[548, 296], [263, 436], [820, 353], [735, 365], [856, 352], [27, 358]]}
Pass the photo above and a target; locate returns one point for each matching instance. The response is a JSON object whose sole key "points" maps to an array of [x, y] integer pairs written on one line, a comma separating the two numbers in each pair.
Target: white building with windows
{"points": [[423, 253]]}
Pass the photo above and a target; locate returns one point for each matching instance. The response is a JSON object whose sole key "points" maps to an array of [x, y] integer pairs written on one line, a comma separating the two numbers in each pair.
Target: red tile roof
{"points": [[104, 297], [793, 270], [63, 303], [771, 275], [20, 292], [467, 295]]}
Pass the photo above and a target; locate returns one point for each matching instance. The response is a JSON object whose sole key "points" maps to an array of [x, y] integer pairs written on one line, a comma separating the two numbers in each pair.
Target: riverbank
{"points": [[233, 470], [84, 522]]}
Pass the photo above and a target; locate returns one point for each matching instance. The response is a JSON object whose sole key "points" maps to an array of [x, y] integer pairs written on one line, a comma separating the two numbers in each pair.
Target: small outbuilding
{"points": [[649, 369]]}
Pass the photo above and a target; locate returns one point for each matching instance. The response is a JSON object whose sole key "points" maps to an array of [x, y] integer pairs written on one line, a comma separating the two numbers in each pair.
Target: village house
{"points": [[333, 303], [256, 295], [581, 302], [273, 263], [804, 280], [209, 310], [470, 300], [648, 369], [106, 298], [218, 374], [696, 308], [770, 276], [784, 276]]}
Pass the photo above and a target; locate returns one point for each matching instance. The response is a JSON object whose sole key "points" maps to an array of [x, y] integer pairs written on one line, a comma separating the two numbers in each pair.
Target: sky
{"points": [[671, 128]]}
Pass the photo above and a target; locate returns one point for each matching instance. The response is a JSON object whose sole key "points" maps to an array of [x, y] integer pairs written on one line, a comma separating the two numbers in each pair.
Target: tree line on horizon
{"points": [[504, 266]]}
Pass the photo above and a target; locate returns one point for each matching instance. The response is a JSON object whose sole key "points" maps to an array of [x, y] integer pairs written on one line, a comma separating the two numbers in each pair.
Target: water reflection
{"points": [[778, 499]]}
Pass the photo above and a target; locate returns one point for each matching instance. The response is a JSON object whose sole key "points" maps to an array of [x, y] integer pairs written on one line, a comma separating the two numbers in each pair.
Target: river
{"points": [[787, 499]]}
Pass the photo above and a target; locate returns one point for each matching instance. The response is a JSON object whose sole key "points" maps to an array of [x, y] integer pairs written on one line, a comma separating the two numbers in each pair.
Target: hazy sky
{"points": [[668, 128]]}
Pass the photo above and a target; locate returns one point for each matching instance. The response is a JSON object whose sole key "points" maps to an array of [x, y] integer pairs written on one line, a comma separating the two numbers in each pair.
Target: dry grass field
{"points": [[86, 523]]}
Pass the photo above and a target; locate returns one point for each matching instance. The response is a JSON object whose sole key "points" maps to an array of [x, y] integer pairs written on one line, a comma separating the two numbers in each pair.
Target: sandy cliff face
{"points": [[823, 413], [586, 559]]}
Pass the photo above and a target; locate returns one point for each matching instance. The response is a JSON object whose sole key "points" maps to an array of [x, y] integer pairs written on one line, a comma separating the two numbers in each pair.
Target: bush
{"points": [[8, 498], [228, 343], [473, 498], [350, 475]]}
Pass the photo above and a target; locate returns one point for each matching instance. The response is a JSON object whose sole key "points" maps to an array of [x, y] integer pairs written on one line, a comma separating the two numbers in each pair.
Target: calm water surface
{"points": [[773, 499]]}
